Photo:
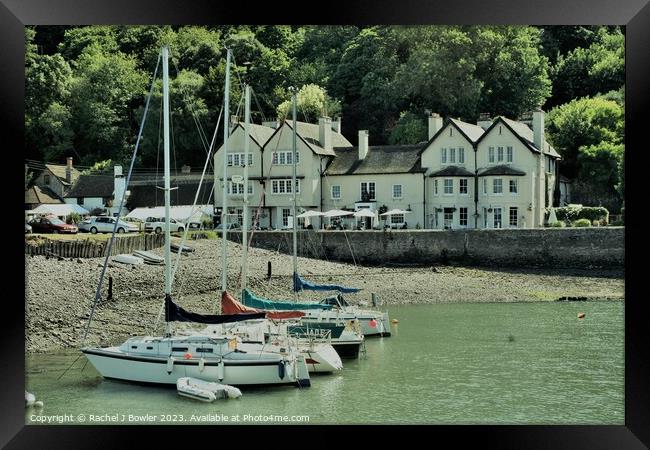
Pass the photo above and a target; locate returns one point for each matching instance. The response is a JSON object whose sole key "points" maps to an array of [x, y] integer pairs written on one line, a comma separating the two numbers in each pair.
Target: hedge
{"points": [[582, 223], [591, 213]]}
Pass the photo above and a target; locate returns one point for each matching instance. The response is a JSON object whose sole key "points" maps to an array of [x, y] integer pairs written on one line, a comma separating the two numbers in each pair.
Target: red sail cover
{"points": [[231, 306]]}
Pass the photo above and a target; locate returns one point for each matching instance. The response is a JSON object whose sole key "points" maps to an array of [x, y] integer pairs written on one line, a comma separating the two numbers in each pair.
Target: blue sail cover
{"points": [[249, 299], [299, 284]]}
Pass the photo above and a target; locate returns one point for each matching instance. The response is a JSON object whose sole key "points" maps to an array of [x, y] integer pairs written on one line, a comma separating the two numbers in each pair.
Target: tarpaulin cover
{"points": [[261, 303], [174, 313], [299, 284], [231, 306]]}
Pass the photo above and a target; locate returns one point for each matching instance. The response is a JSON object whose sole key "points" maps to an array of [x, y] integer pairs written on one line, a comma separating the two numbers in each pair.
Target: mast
{"points": [[295, 194], [247, 120], [168, 258], [224, 205]]}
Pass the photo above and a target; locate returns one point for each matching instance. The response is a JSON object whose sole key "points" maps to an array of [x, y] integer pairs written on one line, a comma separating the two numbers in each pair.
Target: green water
{"points": [[522, 363]]}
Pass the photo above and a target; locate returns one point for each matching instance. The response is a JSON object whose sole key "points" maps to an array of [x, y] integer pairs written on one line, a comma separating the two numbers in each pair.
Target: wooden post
{"points": [[268, 271], [374, 299], [110, 288]]}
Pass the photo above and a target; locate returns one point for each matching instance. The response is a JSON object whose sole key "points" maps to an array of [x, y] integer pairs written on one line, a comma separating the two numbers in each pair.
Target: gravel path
{"points": [[59, 294]]}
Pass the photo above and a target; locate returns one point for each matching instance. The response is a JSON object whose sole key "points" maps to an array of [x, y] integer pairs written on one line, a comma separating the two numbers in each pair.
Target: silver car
{"points": [[106, 225]]}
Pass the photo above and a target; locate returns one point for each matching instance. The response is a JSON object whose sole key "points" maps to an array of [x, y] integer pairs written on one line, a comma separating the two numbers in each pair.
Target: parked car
{"points": [[104, 224], [135, 222], [28, 228], [52, 224], [157, 225]]}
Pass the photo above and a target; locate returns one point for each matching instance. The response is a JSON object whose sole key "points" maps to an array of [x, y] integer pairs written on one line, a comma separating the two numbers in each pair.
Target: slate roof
{"points": [[526, 134], [452, 171], [473, 132], [147, 194], [92, 186], [502, 169], [41, 195], [309, 134], [259, 133], [59, 172], [379, 160]]}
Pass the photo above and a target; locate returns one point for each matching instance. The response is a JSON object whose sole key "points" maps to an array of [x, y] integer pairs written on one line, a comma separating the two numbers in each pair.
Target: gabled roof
{"points": [[525, 135], [59, 171], [92, 186], [502, 169], [379, 160], [41, 195], [259, 133], [148, 195], [469, 131], [452, 171], [309, 134]]}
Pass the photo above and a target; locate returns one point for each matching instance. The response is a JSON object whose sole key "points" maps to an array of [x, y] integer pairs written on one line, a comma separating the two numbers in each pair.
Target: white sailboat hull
{"points": [[371, 323], [112, 363]]}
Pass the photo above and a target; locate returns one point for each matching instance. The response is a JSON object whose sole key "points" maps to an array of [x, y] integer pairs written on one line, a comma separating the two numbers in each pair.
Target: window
{"points": [[513, 186], [461, 155], [80, 200], [397, 191], [284, 158], [240, 216], [451, 131], [448, 218], [435, 187], [497, 218], [463, 217], [497, 186], [485, 218], [484, 186], [513, 216], [46, 179], [500, 154], [179, 349], [336, 192], [397, 219], [286, 212], [368, 190], [203, 350], [238, 188], [509, 154], [452, 155], [443, 156], [491, 154], [283, 186], [449, 186], [237, 159], [463, 186]]}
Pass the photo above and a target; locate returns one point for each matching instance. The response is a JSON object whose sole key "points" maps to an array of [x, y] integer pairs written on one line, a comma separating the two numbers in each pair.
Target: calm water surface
{"points": [[532, 363]]}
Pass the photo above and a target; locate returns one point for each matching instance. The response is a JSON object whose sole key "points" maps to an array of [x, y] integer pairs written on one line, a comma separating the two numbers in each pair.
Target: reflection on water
{"points": [[533, 363]]}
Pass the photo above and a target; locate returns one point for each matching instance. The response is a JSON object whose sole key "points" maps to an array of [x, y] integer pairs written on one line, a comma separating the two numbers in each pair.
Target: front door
{"points": [[448, 218]]}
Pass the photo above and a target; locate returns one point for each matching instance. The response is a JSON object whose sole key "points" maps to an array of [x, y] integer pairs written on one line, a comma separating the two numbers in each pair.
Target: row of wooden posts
{"points": [[93, 248]]}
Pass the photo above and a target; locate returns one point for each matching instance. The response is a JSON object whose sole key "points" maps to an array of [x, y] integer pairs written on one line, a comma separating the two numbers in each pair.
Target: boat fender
{"points": [[221, 370], [281, 369], [29, 398], [201, 364], [170, 365]]}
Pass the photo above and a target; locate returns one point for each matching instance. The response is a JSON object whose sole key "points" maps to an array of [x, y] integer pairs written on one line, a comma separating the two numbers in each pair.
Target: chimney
{"points": [[538, 129], [363, 144], [119, 186], [186, 169], [336, 125], [68, 170], [325, 132], [435, 124], [484, 121]]}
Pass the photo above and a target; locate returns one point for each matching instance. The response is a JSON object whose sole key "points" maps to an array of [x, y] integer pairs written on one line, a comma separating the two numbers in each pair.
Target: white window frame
{"points": [[233, 157], [285, 218], [511, 183], [516, 217], [282, 186], [443, 155], [485, 180], [283, 158], [494, 186], [460, 216], [491, 154], [435, 186], [461, 155], [510, 154], [500, 154], [452, 155], [332, 192], [445, 185], [494, 217], [374, 193], [486, 223], [397, 219], [460, 186], [401, 191]]}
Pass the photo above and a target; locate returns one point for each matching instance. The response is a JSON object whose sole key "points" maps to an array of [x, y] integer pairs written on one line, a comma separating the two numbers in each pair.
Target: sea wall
{"points": [[545, 247]]}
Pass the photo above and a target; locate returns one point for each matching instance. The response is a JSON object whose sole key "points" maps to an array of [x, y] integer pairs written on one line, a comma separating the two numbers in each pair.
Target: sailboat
{"points": [[319, 354], [218, 358]]}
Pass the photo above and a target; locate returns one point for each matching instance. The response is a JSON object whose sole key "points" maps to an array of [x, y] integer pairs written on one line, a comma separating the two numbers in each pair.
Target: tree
{"points": [[583, 123], [76, 40], [197, 49], [410, 129], [312, 102]]}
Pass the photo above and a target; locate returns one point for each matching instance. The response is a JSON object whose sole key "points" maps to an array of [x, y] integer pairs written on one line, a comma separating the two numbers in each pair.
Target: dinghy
{"points": [[149, 258], [128, 259], [205, 391]]}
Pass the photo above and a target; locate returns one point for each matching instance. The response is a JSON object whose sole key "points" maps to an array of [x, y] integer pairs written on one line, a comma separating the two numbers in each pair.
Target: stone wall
{"points": [[547, 247]]}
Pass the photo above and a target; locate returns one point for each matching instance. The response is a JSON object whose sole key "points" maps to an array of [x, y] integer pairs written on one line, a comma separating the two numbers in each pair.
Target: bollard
{"points": [[268, 271], [110, 288], [374, 299]]}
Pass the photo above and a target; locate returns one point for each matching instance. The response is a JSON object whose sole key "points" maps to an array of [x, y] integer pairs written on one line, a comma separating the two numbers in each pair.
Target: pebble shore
{"points": [[60, 293]]}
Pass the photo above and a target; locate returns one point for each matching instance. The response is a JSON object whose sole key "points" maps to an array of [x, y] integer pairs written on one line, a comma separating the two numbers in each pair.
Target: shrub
{"points": [[73, 218], [582, 223], [558, 224], [572, 213]]}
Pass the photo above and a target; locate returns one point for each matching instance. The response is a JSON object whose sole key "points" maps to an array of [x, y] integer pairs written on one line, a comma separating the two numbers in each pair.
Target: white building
{"points": [[498, 173]]}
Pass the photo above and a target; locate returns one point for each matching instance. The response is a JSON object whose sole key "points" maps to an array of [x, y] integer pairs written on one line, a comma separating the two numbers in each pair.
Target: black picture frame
{"points": [[635, 14]]}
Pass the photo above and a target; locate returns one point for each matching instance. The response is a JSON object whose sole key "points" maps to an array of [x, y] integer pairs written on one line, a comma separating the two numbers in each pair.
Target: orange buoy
{"points": [[581, 315], [187, 356]]}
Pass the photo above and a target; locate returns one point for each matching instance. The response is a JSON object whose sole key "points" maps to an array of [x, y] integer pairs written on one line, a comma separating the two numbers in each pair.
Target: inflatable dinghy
{"points": [[205, 391]]}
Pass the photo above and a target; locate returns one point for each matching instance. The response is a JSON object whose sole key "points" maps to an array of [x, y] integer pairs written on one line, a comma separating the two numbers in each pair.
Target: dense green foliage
{"points": [[86, 86]]}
